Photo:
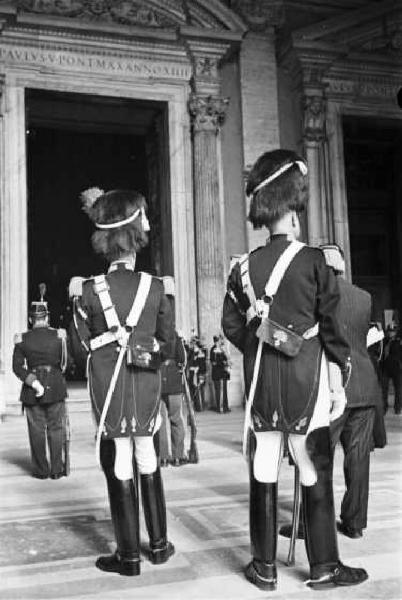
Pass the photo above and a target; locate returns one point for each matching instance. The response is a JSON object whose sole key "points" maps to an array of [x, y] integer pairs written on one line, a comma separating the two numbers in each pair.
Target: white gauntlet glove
{"points": [[338, 404], [38, 387], [337, 394]]}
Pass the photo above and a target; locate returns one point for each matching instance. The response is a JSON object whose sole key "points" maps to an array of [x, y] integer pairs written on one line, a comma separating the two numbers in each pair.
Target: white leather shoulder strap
{"points": [[139, 300], [101, 288], [281, 267], [245, 279]]}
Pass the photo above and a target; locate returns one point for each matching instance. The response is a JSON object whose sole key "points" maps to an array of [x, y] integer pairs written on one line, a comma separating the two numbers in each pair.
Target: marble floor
{"points": [[52, 531]]}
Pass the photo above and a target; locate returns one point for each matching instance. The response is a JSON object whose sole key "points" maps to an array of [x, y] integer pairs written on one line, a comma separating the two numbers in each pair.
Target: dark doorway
{"points": [[75, 142], [373, 158]]}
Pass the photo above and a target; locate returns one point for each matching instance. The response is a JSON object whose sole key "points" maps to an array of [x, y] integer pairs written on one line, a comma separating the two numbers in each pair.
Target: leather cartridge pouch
{"points": [[141, 353], [279, 337]]}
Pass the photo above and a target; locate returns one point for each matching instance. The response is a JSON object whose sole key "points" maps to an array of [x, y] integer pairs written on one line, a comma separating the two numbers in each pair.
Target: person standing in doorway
{"points": [[39, 361], [280, 311], [125, 320]]}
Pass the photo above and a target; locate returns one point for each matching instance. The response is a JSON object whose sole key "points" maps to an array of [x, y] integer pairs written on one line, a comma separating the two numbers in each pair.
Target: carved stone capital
{"points": [[260, 14], [207, 112], [206, 68], [314, 118]]}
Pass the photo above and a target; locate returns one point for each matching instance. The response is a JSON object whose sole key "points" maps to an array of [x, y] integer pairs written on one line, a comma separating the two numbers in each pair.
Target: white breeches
{"points": [[269, 449], [144, 453]]}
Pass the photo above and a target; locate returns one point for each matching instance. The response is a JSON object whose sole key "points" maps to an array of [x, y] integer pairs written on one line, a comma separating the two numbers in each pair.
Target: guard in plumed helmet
{"points": [[39, 361], [280, 310], [124, 320]]}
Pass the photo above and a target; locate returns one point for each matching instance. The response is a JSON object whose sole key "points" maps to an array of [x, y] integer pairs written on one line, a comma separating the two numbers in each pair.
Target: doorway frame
{"points": [[349, 106], [13, 192]]}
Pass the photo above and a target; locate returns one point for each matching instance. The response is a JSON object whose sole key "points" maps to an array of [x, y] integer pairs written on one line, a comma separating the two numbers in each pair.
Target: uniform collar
{"points": [[121, 264]]}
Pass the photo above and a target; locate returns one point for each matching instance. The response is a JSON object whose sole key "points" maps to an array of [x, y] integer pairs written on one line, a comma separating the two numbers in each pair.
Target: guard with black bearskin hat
{"points": [[124, 320], [39, 361], [280, 310]]}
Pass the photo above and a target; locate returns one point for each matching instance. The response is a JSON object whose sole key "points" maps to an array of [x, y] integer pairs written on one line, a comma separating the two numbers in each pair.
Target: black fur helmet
{"points": [[277, 184], [272, 165]]}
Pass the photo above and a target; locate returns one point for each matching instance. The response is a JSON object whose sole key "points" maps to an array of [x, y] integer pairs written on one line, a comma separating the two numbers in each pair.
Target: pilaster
{"points": [[207, 113], [13, 229], [314, 135], [207, 110], [259, 95]]}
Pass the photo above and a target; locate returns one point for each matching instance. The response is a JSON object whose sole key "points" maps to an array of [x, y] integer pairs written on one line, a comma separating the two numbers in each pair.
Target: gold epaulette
{"points": [[62, 334], [18, 338]]}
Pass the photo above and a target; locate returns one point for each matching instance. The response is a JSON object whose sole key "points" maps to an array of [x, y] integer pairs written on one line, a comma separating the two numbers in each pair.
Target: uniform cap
{"points": [[38, 310]]}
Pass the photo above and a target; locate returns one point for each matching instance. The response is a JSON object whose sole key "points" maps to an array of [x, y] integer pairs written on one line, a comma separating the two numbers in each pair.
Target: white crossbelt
{"points": [[271, 288], [121, 336], [116, 332]]}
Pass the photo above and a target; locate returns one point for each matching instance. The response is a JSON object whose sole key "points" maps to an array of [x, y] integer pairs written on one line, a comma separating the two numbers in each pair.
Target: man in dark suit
{"points": [[354, 429], [39, 360]]}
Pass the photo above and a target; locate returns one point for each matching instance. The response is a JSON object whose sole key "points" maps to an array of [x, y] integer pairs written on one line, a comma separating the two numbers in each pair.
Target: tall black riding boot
{"points": [[124, 508], [261, 571], [153, 501], [319, 520]]}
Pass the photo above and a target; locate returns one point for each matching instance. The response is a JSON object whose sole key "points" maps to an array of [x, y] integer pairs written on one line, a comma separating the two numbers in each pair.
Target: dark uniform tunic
{"points": [[38, 354], [197, 370], [136, 398], [287, 388]]}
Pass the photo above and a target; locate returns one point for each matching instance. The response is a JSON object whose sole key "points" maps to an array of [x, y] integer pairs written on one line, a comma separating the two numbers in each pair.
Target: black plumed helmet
{"points": [[270, 163]]}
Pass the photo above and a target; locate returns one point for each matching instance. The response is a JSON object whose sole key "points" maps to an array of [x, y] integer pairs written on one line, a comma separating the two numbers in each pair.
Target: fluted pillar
{"points": [[207, 113], [319, 207]]}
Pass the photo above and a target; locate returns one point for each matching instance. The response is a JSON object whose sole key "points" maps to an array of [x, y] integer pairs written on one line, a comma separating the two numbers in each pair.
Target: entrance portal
{"points": [[74, 142], [373, 155]]}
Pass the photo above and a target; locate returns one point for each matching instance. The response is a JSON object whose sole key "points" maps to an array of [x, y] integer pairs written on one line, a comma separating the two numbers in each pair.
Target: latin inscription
{"points": [[80, 62], [361, 88]]}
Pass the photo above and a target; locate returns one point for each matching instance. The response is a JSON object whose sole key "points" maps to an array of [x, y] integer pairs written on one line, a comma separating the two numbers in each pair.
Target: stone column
{"points": [[338, 183], [314, 135], [13, 232], [207, 114]]}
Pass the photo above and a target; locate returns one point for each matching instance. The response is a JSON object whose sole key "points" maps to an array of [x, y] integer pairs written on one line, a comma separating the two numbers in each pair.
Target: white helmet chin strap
{"points": [[144, 221]]}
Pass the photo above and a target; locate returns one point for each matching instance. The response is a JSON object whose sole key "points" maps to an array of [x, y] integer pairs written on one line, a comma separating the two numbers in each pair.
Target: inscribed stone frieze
{"points": [[363, 88], [13, 55]]}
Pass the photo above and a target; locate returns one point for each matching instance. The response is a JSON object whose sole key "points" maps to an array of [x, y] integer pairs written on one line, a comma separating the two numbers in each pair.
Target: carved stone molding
{"points": [[314, 118], [387, 44], [374, 88], [207, 112], [206, 67], [124, 66], [260, 14], [118, 11]]}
